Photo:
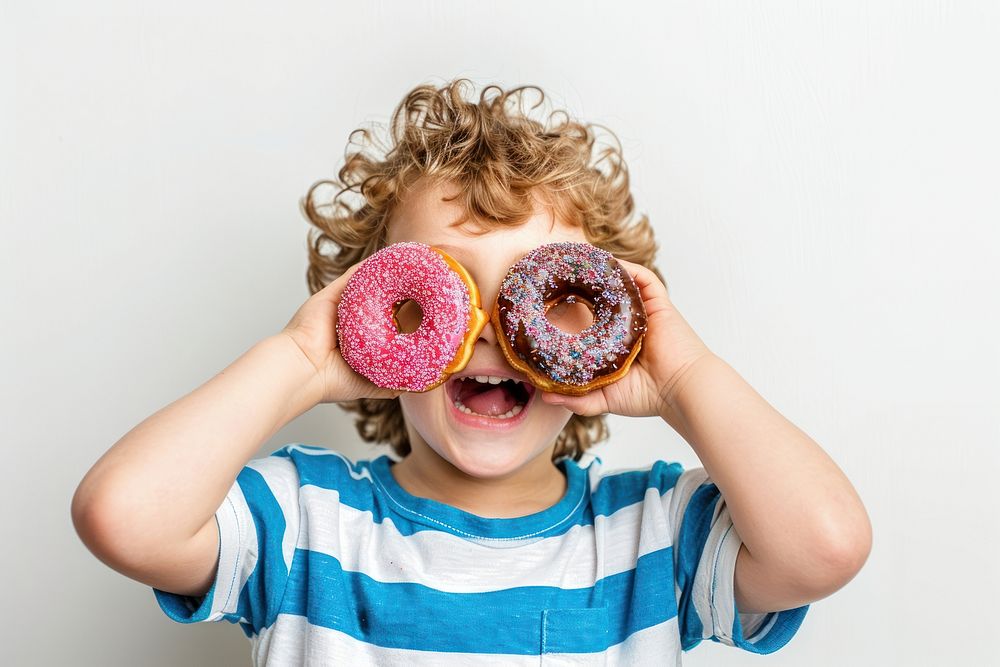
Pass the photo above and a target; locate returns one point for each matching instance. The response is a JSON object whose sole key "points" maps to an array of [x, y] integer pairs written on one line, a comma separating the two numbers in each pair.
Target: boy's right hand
{"points": [[314, 330]]}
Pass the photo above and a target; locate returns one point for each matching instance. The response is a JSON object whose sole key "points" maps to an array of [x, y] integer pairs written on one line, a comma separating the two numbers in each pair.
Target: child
{"points": [[485, 540]]}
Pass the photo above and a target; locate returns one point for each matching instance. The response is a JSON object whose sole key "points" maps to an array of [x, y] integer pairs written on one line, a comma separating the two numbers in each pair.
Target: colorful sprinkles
{"points": [[565, 272], [367, 334]]}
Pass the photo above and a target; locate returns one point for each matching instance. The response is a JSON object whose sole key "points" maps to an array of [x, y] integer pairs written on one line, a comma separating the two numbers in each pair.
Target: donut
{"points": [[367, 331], [552, 359]]}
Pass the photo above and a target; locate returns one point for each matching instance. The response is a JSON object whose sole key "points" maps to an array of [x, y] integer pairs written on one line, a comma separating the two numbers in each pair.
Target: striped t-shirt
{"points": [[326, 561]]}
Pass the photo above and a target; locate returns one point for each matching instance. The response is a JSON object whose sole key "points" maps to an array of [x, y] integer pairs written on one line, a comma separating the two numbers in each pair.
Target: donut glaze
{"points": [[553, 359], [369, 339]]}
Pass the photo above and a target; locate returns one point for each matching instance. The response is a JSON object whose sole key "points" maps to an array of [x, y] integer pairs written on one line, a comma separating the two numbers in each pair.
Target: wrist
{"points": [[295, 372], [673, 392]]}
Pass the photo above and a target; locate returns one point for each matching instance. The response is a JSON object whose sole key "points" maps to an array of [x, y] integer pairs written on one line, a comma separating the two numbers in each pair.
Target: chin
{"points": [[482, 461], [485, 422]]}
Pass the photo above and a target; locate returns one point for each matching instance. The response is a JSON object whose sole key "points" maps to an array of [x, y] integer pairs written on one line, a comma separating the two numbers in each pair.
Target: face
{"points": [[474, 437]]}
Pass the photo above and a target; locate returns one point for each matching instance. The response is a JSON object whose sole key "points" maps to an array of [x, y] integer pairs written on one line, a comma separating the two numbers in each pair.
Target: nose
{"points": [[487, 350], [488, 334], [488, 296]]}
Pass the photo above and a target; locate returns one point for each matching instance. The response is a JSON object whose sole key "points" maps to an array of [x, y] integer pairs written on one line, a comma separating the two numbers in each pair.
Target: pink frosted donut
{"points": [[369, 339]]}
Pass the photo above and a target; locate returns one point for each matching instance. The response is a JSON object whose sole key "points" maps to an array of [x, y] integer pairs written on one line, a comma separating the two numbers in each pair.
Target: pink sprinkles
{"points": [[573, 359], [367, 335]]}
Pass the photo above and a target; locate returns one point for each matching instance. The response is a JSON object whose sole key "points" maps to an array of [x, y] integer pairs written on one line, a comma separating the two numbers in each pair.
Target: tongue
{"points": [[492, 402]]}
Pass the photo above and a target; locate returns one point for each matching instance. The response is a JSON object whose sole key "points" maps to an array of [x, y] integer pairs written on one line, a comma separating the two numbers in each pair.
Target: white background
{"points": [[823, 178]]}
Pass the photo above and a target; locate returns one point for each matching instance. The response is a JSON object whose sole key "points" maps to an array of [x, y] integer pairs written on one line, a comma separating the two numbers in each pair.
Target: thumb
{"points": [[334, 290], [588, 405]]}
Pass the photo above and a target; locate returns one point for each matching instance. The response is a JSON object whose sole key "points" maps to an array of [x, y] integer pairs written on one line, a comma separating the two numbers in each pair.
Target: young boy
{"points": [[490, 540]]}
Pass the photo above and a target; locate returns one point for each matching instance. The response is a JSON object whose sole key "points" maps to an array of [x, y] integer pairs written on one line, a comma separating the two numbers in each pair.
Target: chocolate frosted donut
{"points": [[553, 359]]}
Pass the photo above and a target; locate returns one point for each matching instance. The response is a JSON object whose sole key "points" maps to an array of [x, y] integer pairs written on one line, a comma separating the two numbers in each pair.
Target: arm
{"points": [[805, 532], [147, 507]]}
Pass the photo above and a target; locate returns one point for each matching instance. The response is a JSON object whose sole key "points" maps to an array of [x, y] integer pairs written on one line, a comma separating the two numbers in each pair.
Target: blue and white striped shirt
{"points": [[327, 561]]}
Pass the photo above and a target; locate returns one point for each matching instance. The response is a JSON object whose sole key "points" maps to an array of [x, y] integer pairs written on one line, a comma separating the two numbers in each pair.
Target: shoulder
{"points": [[299, 466], [633, 506], [621, 487], [314, 463]]}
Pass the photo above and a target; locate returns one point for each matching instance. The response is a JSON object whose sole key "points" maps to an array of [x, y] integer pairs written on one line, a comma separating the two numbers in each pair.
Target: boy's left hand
{"points": [[669, 348]]}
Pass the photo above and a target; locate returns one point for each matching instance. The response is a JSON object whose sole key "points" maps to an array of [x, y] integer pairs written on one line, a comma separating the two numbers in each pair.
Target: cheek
{"points": [[418, 408], [424, 415], [550, 418]]}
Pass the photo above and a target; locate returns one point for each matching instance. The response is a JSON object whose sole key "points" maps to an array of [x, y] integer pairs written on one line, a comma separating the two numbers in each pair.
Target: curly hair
{"points": [[501, 158]]}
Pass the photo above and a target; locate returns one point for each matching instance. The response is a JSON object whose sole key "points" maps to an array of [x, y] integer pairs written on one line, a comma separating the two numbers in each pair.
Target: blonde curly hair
{"points": [[500, 156]]}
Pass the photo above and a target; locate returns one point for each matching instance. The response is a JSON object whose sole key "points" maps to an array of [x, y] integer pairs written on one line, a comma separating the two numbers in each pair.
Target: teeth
{"points": [[486, 379], [514, 411], [489, 379]]}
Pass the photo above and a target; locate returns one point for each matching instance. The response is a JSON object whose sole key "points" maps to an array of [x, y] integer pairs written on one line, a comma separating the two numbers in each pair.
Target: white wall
{"points": [[823, 178]]}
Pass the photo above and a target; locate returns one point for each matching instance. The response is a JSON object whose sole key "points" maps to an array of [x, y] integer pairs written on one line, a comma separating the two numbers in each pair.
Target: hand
{"points": [[314, 330], [669, 348]]}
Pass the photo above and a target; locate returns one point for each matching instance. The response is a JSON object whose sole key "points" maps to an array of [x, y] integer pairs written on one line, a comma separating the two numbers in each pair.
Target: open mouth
{"points": [[489, 396]]}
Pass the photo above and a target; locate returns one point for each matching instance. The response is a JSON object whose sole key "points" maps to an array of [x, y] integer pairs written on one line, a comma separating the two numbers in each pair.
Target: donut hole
{"points": [[407, 316], [571, 313]]}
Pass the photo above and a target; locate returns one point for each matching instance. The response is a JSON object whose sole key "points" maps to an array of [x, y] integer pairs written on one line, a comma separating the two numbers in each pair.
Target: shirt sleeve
{"points": [[706, 544], [258, 529]]}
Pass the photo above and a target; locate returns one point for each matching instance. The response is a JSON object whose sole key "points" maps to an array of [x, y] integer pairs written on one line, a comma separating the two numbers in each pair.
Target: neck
{"points": [[536, 486]]}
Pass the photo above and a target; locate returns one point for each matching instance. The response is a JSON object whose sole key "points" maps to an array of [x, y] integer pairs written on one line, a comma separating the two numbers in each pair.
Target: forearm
{"points": [[792, 506], [168, 475]]}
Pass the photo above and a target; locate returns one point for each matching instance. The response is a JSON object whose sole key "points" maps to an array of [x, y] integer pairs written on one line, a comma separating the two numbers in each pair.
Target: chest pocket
{"points": [[574, 636]]}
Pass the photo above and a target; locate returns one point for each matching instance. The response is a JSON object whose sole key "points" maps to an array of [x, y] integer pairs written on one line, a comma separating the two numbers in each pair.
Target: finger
{"points": [[588, 405], [333, 291], [652, 291], [386, 393], [645, 280]]}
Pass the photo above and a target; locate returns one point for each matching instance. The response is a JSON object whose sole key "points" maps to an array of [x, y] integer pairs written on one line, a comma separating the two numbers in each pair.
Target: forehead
{"points": [[424, 215]]}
